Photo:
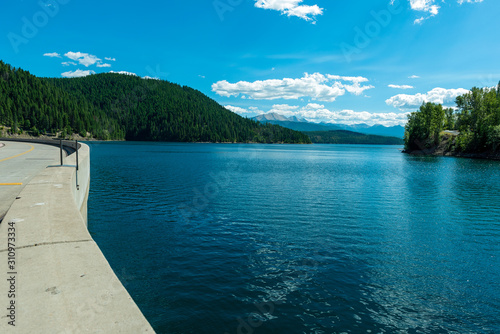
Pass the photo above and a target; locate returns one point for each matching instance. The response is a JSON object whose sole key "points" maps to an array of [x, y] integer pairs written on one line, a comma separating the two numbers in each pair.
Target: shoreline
{"points": [[86, 139], [432, 153]]}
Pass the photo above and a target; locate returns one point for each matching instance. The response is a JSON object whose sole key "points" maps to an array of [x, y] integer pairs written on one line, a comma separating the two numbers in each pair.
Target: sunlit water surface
{"points": [[214, 238]]}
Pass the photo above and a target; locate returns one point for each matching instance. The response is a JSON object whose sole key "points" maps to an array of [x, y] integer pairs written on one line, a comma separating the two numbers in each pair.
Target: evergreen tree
{"points": [[477, 118]]}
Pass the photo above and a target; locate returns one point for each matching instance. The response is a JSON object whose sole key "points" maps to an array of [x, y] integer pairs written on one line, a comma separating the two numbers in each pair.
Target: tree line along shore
{"points": [[471, 129]]}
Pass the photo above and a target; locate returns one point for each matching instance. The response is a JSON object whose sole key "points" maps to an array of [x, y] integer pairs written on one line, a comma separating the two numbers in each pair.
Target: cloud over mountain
{"points": [[315, 86], [291, 8], [436, 95], [84, 59], [77, 74], [318, 113]]}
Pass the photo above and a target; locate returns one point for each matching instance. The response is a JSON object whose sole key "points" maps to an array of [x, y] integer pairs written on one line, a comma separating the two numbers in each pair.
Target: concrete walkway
{"points": [[19, 163], [53, 276]]}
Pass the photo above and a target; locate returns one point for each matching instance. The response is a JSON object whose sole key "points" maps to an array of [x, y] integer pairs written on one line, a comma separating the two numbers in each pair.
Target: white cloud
{"points": [[109, 59], [147, 77], [77, 74], [315, 86], [413, 77], [291, 8], [68, 63], [352, 79], [256, 110], [437, 95], [430, 7], [419, 20], [469, 1], [284, 109], [103, 65], [425, 6], [355, 88], [125, 73], [351, 117], [401, 86], [238, 110], [84, 59], [314, 106], [52, 55], [318, 113]]}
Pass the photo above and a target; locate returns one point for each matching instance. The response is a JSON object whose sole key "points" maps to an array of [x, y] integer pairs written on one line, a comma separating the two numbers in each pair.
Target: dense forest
{"points": [[116, 106], [350, 137], [475, 121], [32, 104]]}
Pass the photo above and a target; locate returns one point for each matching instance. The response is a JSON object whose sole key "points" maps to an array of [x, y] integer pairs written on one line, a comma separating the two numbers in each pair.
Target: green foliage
{"points": [[34, 131], [115, 106], [477, 119], [464, 140], [162, 111], [450, 119], [349, 137], [423, 127], [494, 137], [28, 102]]}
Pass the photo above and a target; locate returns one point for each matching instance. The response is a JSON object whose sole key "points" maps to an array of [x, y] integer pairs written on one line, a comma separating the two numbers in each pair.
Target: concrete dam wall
{"points": [[54, 278]]}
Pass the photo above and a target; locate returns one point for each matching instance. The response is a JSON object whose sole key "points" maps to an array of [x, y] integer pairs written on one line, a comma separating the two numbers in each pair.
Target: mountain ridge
{"points": [[303, 125]]}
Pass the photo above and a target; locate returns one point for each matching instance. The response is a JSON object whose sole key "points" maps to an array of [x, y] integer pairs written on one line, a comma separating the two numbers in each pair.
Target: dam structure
{"points": [[53, 276]]}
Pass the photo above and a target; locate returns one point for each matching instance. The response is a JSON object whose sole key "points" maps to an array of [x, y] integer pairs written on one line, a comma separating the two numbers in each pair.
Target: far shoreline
{"points": [[432, 153]]}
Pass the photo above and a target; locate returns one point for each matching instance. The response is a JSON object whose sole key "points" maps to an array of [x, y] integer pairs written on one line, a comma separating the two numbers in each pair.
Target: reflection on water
{"points": [[300, 239]]}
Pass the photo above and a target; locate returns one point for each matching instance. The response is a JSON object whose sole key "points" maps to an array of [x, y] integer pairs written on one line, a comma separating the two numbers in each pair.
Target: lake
{"points": [[228, 238]]}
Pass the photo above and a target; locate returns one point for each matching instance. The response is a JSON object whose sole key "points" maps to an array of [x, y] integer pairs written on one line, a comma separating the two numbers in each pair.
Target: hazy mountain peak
{"points": [[272, 116], [296, 119]]}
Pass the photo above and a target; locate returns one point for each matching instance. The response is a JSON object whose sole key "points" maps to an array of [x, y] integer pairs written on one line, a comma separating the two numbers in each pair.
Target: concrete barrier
{"points": [[53, 276]]}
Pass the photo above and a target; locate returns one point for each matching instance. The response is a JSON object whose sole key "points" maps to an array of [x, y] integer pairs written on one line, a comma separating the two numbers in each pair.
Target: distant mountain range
{"points": [[303, 125]]}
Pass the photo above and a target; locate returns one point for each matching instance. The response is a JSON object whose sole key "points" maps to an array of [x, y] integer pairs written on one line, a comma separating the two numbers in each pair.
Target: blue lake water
{"points": [[215, 238]]}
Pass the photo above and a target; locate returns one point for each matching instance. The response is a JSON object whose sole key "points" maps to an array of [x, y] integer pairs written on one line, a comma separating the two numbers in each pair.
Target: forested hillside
{"points": [[117, 106], [36, 105], [476, 123]]}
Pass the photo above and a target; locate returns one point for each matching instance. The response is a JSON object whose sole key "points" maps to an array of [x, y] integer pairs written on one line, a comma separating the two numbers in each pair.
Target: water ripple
{"points": [[300, 239]]}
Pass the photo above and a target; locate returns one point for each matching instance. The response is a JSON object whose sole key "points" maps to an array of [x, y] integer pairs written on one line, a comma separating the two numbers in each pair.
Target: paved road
{"points": [[19, 163]]}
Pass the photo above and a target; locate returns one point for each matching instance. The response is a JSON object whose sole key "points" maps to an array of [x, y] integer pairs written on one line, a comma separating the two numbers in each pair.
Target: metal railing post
{"points": [[60, 150], [76, 148]]}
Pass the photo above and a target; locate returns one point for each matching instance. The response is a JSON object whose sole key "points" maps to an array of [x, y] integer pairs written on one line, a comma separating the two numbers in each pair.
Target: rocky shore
{"points": [[447, 148]]}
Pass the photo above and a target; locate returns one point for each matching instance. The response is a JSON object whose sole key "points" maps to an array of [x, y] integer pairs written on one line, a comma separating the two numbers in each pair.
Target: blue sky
{"points": [[358, 61]]}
